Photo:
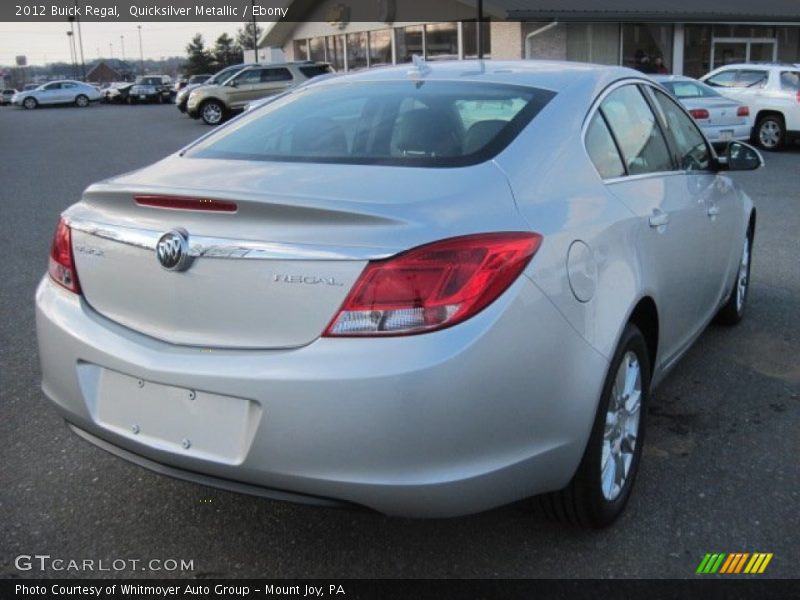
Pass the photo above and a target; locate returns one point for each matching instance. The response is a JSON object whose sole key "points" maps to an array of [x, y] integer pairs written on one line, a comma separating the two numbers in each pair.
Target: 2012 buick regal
{"points": [[424, 290]]}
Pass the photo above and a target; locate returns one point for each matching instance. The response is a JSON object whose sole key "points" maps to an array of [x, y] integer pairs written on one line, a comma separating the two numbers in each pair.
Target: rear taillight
{"points": [[743, 111], [699, 113], [62, 262], [797, 95], [433, 286]]}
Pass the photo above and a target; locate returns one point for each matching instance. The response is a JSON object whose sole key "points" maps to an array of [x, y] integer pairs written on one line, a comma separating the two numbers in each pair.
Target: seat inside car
{"points": [[319, 136], [481, 133], [426, 132]]}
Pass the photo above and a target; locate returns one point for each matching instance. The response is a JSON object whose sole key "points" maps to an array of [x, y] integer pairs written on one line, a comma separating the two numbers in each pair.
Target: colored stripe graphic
{"points": [[734, 563]]}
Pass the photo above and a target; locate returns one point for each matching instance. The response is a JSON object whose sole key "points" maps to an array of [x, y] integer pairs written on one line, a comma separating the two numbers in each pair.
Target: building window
{"points": [[356, 50], [334, 50], [441, 41], [316, 49], [380, 47], [593, 42], [301, 49], [470, 39], [409, 42], [647, 47], [696, 50]]}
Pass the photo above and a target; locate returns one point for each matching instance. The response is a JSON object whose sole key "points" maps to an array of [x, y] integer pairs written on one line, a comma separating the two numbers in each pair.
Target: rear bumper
{"points": [[491, 411], [727, 133]]}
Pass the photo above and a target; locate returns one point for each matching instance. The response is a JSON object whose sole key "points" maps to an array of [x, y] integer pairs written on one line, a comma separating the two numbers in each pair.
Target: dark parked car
{"points": [[117, 93], [151, 88]]}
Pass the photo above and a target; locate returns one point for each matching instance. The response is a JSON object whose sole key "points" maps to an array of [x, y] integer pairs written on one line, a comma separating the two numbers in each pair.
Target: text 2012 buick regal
{"points": [[424, 290]]}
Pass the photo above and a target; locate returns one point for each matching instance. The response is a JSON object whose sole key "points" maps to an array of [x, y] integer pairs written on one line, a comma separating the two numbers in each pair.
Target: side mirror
{"points": [[233, 83], [741, 157]]}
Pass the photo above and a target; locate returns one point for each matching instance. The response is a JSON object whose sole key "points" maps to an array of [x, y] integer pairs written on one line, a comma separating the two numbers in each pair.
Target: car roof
{"points": [[552, 75], [759, 65]]}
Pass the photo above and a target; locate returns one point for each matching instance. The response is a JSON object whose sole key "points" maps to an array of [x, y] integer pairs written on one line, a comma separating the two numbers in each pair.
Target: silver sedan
{"points": [[58, 92], [404, 289], [722, 119]]}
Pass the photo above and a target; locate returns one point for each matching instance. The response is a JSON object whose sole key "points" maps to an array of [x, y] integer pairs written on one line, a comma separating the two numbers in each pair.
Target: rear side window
{"points": [[270, 75], [755, 78], [693, 152], [403, 123], [636, 130], [602, 149], [790, 80], [316, 70]]}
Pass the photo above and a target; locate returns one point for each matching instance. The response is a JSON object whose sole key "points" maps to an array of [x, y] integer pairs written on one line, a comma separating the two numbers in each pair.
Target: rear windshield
{"points": [[406, 123], [689, 89], [149, 81]]}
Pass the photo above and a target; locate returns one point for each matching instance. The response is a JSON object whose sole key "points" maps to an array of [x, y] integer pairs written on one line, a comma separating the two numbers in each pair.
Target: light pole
{"points": [[141, 53], [122, 45], [255, 30], [71, 50], [80, 43]]}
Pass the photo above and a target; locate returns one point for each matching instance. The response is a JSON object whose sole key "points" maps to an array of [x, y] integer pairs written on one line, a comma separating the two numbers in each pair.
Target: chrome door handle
{"points": [[713, 211], [659, 219]]}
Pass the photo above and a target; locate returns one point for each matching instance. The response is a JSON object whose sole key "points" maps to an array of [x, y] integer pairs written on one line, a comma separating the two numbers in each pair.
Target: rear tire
{"points": [[601, 486], [732, 312], [81, 101], [770, 132]]}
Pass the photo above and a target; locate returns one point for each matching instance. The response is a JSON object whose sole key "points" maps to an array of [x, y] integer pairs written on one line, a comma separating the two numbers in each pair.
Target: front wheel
{"points": [[30, 103], [770, 132], [733, 310], [212, 112], [81, 101], [601, 486]]}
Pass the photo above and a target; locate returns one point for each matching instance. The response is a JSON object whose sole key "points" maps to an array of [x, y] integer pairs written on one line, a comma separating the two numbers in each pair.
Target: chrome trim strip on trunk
{"points": [[201, 246]]}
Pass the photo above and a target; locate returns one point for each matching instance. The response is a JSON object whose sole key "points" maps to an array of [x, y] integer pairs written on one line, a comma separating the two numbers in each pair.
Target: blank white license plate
{"points": [[726, 135], [179, 420], [142, 96]]}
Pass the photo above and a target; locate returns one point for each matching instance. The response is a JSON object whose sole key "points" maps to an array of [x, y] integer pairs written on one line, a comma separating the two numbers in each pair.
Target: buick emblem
{"points": [[172, 250]]}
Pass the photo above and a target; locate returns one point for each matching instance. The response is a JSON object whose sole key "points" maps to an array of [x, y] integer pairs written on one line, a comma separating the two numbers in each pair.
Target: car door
{"points": [[68, 92], [707, 190], [244, 87], [669, 238], [49, 94], [273, 81]]}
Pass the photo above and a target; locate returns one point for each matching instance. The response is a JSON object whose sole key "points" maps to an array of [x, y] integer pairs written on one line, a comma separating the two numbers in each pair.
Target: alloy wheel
{"points": [[212, 113], [743, 278], [769, 134], [621, 427]]}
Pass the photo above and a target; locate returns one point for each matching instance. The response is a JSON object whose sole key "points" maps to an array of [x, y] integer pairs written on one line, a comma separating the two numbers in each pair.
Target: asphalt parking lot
{"points": [[720, 471]]}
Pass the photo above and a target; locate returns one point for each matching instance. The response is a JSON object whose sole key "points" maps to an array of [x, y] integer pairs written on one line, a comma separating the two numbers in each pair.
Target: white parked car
{"points": [[771, 90], [58, 92], [722, 119]]}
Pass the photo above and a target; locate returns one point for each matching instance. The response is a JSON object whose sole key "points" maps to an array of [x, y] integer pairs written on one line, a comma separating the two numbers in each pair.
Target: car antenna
{"points": [[420, 67]]}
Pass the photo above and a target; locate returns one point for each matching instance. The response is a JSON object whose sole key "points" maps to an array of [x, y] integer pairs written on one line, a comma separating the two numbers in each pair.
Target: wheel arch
{"points": [[645, 316]]}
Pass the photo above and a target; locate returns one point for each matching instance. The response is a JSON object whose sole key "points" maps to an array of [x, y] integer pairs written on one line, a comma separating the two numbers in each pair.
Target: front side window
{"points": [[723, 79], [602, 149], [436, 124], [636, 130], [249, 77], [693, 152], [52, 86]]}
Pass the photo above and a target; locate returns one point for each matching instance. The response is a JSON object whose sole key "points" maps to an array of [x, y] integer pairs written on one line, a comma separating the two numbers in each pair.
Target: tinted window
{"points": [[249, 77], [722, 79], [790, 80], [693, 152], [752, 79], [52, 86], [269, 75], [636, 130], [438, 123], [225, 74], [602, 149], [316, 70]]}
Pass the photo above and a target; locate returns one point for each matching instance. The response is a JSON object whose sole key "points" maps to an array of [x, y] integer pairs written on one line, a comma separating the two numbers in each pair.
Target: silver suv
{"points": [[771, 90], [215, 103]]}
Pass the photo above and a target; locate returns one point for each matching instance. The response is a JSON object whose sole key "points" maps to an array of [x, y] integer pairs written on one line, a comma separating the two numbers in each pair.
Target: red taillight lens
{"points": [[433, 286], [699, 113], [798, 95], [743, 111], [62, 262]]}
